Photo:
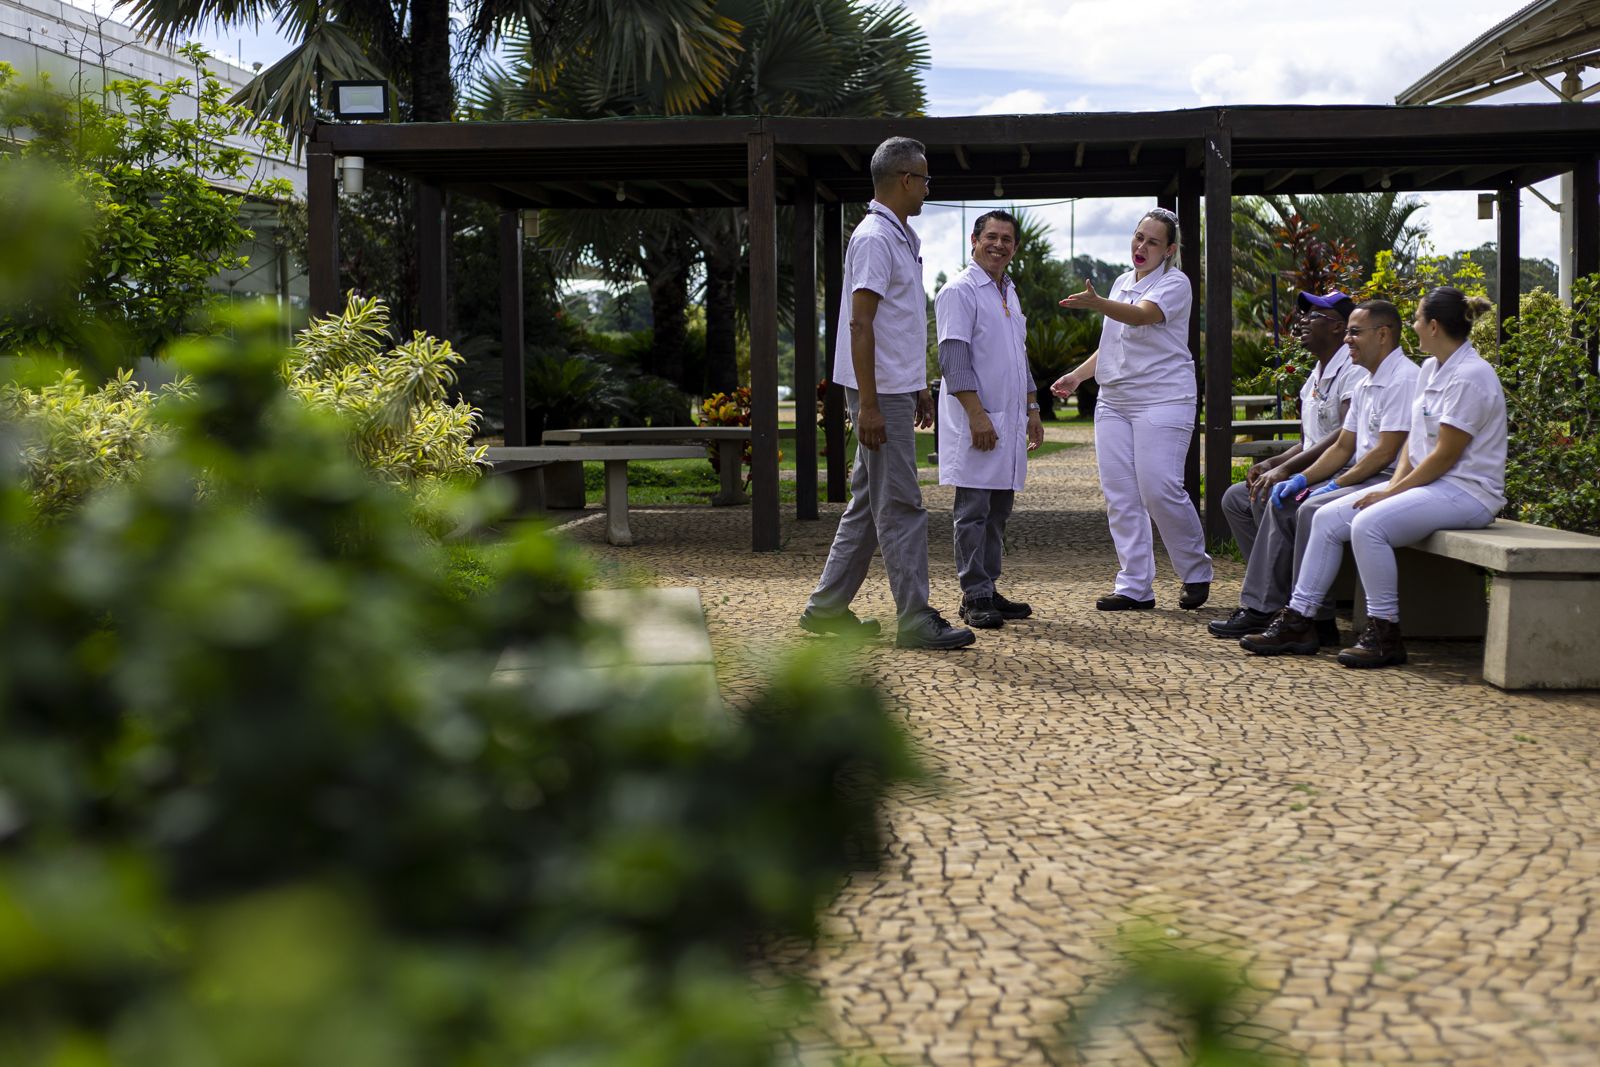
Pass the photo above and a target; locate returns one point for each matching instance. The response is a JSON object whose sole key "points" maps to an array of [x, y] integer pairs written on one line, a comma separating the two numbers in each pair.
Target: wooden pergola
{"points": [[1192, 161]]}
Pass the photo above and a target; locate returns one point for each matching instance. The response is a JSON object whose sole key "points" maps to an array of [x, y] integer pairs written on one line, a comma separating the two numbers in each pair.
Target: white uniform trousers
{"points": [[1373, 534], [1141, 455]]}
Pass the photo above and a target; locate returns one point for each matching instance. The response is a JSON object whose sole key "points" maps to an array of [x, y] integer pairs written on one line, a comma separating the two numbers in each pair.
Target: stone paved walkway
{"points": [[1408, 859]]}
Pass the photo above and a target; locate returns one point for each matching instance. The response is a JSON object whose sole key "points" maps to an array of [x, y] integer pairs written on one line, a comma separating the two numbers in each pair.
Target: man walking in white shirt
{"points": [[881, 362]]}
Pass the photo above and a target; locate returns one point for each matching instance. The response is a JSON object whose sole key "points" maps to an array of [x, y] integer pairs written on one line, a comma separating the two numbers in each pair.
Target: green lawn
{"points": [[692, 481]]}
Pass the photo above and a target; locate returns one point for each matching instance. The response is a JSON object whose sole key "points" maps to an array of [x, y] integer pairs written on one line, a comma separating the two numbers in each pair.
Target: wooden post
{"points": [[763, 192], [1219, 326], [805, 349], [513, 374], [1586, 222], [1188, 212], [1508, 226], [322, 230], [431, 243], [832, 297]]}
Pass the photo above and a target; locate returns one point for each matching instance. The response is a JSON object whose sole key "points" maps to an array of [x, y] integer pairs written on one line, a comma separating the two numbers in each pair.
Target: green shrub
{"points": [[1553, 406], [261, 803]]}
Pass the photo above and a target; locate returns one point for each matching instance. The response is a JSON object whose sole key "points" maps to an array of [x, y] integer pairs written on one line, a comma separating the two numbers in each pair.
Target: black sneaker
{"points": [[842, 624], [1011, 609], [1118, 602], [1243, 621], [936, 633], [1194, 595], [980, 612]]}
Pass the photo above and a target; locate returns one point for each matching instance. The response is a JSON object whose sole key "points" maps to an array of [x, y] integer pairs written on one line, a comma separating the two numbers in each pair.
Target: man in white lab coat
{"points": [[988, 415]]}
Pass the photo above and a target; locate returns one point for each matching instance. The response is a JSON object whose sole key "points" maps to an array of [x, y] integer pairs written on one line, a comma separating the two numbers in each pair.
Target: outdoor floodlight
{"points": [[1486, 205], [354, 169], [361, 100]]}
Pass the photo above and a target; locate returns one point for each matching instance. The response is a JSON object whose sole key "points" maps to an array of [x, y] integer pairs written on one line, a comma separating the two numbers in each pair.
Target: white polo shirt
{"points": [[1326, 389], [1465, 393], [1382, 401], [1142, 366], [885, 257]]}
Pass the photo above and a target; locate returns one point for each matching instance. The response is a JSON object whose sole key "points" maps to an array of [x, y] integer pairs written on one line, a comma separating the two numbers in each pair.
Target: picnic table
{"points": [[730, 442]]}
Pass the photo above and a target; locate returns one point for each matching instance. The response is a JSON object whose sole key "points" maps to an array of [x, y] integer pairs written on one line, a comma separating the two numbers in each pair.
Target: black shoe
{"points": [[1289, 631], [1118, 602], [1194, 595], [1328, 632], [1011, 609], [981, 613], [843, 624], [936, 633], [1243, 621]]}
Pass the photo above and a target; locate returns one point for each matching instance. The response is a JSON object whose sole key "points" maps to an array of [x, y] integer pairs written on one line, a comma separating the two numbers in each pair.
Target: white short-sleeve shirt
{"points": [[972, 308], [1464, 392], [1326, 389], [1382, 401], [1143, 366], [885, 257]]}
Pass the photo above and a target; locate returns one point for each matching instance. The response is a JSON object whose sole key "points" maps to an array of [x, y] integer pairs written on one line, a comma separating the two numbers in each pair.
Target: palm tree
{"points": [[793, 57], [685, 47], [1372, 222]]}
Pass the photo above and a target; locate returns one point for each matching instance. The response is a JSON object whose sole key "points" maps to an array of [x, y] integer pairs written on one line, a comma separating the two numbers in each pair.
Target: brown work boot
{"points": [[1289, 631], [1378, 646]]}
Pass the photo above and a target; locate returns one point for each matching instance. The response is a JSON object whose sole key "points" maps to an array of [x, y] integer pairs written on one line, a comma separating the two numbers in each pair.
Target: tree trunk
{"points": [[722, 343], [669, 302], [432, 91]]}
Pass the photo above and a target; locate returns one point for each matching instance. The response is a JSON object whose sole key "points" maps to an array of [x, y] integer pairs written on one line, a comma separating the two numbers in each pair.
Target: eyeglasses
{"points": [[927, 180], [1318, 316], [1357, 331]]}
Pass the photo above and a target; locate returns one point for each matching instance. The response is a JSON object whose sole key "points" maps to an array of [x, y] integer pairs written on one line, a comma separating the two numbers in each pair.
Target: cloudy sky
{"points": [[1010, 56]]}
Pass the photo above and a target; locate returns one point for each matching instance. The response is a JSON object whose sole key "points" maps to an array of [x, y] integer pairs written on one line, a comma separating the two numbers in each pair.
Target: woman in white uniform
{"points": [[1451, 476], [1145, 418]]}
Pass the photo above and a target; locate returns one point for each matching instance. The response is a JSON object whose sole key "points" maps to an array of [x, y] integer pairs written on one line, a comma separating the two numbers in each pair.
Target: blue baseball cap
{"points": [[1335, 301]]}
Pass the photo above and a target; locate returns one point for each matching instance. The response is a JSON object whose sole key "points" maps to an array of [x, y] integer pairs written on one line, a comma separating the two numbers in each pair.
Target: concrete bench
{"points": [[1541, 621], [538, 459], [1261, 449], [1250, 403], [1259, 428], [730, 442]]}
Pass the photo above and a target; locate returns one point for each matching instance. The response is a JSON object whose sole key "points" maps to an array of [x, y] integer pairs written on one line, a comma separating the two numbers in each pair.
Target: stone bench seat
{"points": [[1541, 619], [536, 461], [729, 440]]}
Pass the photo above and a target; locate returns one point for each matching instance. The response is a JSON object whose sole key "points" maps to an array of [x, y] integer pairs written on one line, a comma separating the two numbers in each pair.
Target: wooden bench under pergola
{"points": [[1192, 161]]}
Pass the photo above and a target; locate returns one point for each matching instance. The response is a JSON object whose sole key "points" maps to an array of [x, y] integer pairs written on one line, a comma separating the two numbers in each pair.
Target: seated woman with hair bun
{"points": [[1451, 476]]}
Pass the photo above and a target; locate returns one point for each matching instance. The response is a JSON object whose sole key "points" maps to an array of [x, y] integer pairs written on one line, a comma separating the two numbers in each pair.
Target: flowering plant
{"points": [[728, 409], [1294, 366]]}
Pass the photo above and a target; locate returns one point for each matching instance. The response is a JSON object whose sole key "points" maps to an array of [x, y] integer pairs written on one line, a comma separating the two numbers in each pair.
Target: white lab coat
{"points": [[969, 308]]}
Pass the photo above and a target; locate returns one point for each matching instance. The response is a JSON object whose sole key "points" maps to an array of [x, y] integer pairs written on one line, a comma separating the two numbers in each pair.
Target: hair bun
{"points": [[1476, 306]]}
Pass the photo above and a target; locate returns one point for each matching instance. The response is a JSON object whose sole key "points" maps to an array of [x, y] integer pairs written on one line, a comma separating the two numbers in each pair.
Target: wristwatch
{"points": [[1033, 405]]}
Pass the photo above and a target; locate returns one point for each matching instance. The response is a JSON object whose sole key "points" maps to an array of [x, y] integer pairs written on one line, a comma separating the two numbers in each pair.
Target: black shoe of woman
{"points": [[1118, 602], [1194, 595]]}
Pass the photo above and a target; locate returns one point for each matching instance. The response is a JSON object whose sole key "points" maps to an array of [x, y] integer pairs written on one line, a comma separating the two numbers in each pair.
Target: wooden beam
{"points": [[512, 370], [1170, 190], [1476, 175], [795, 160], [1276, 178], [1133, 153], [961, 157], [1024, 157], [1189, 187], [322, 230], [526, 191], [826, 192], [1427, 175], [832, 311], [1328, 176], [765, 530], [804, 266], [1219, 326], [723, 189], [1508, 230], [432, 255], [675, 190], [1585, 216], [575, 190], [1077, 158], [851, 160], [1376, 177]]}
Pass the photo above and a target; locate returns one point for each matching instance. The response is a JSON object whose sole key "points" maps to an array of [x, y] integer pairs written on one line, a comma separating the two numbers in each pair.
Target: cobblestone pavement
{"points": [[1409, 860]]}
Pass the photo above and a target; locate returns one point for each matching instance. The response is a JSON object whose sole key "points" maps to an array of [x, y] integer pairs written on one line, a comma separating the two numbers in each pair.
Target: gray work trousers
{"points": [[885, 512], [981, 516], [1280, 545]]}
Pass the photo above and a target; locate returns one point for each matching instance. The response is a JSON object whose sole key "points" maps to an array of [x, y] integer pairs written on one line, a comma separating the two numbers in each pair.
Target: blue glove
{"points": [[1329, 486], [1286, 489]]}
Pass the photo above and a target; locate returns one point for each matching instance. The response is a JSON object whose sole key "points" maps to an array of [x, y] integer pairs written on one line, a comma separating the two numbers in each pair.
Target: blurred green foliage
{"points": [[133, 222], [260, 802]]}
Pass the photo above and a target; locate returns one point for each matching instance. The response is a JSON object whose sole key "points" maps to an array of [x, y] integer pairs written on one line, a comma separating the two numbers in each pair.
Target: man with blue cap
{"points": [[1265, 534]]}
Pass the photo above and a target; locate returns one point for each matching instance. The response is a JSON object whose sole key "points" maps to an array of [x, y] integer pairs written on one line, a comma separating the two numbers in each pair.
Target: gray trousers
{"points": [[1280, 545], [981, 516], [885, 512]]}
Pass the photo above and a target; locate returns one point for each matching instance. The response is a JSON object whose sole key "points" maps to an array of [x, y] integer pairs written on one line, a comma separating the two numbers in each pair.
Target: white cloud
{"points": [[1018, 102]]}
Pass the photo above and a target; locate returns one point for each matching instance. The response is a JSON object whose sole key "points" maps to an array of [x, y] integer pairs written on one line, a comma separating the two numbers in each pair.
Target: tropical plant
{"points": [[1404, 287], [1055, 346], [566, 389], [1368, 223], [147, 179], [1553, 407]]}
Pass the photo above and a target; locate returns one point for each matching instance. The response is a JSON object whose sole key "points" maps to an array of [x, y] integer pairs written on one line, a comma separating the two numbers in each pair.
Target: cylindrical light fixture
{"points": [[354, 170]]}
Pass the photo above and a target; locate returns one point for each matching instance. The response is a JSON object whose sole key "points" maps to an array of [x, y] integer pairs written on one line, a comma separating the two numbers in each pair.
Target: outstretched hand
{"points": [[1084, 301]]}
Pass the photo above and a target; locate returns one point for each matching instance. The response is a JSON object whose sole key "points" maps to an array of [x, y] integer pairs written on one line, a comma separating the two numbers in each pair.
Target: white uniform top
{"points": [[1326, 388], [970, 308], [1465, 393], [885, 257], [1382, 401], [1142, 366]]}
